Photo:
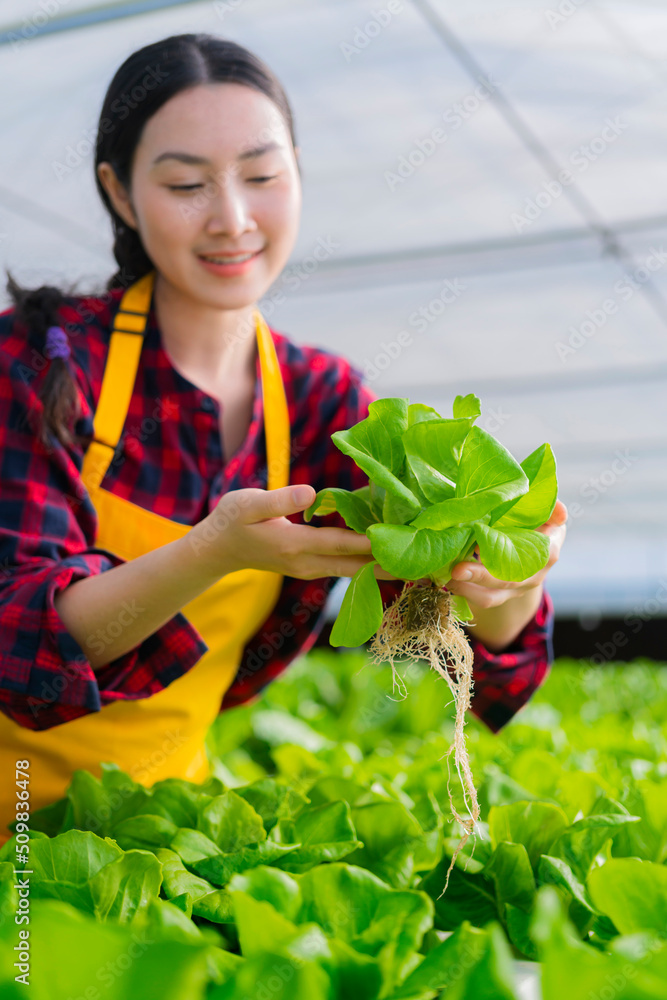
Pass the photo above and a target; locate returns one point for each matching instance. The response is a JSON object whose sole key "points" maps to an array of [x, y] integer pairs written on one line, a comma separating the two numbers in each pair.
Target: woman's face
{"points": [[229, 203]]}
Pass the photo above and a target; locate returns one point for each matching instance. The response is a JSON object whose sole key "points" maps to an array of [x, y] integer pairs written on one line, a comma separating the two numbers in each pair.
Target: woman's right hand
{"points": [[249, 529]]}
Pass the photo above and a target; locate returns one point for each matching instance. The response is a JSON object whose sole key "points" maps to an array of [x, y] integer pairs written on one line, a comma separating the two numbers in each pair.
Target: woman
{"points": [[156, 566]]}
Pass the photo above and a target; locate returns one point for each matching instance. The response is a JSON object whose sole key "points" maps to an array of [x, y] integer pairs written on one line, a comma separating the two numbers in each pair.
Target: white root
{"points": [[421, 624]]}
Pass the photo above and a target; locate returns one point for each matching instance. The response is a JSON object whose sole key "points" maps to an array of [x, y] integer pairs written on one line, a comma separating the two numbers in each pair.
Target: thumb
{"points": [[266, 504], [559, 514]]}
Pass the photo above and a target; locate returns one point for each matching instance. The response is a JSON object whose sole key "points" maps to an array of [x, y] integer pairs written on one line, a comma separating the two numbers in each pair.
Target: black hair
{"points": [[142, 84]]}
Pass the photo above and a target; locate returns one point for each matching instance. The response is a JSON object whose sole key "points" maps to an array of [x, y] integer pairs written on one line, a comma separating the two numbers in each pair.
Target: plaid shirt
{"points": [[170, 460]]}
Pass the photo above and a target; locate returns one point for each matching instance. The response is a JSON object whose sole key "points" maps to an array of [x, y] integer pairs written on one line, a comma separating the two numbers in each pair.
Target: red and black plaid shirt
{"points": [[170, 460]]}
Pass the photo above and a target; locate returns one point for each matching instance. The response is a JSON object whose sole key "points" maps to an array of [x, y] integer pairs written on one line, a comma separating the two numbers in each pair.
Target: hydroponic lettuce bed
{"points": [[310, 866]]}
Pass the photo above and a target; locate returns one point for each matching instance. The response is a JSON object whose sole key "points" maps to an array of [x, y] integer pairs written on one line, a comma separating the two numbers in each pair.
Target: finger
{"points": [[561, 510], [322, 566], [383, 574], [479, 576], [481, 597], [257, 505], [556, 538], [485, 596], [329, 541], [558, 516]]}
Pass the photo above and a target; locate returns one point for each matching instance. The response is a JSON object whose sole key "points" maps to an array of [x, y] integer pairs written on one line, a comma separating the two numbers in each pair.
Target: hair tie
{"points": [[57, 343]]}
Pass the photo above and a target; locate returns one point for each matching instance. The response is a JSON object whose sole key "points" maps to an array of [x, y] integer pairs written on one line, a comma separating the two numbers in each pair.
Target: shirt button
{"points": [[208, 405]]}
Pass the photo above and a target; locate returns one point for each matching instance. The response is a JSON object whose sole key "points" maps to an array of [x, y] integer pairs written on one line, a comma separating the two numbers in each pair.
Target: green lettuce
{"points": [[437, 488]]}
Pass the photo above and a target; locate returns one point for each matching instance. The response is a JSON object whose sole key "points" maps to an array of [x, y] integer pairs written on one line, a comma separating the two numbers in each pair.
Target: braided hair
{"points": [[183, 61]]}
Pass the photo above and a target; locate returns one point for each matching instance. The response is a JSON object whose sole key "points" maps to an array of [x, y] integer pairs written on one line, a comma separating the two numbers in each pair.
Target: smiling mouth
{"points": [[228, 258]]}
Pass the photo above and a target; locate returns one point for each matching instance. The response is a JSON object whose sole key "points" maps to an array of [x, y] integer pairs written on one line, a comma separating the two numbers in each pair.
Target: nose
{"points": [[228, 208]]}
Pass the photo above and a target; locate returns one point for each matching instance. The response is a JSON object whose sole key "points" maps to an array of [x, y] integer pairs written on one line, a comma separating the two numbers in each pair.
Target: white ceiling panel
{"points": [[555, 314]]}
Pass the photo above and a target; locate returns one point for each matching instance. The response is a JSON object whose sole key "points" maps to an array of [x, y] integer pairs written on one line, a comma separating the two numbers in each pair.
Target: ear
{"points": [[117, 194]]}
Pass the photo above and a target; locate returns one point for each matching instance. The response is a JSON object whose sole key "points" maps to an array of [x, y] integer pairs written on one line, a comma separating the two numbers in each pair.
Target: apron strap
{"points": [[277, 430], [120, 374]]}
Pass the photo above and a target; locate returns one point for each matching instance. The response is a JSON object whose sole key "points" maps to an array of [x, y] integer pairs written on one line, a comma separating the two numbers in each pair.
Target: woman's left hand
{"points": [[485, 591]]}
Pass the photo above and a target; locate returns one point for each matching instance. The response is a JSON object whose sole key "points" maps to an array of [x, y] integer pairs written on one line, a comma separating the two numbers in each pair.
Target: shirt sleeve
{"points": [[335, 399], [47, 530], [503, 682]]}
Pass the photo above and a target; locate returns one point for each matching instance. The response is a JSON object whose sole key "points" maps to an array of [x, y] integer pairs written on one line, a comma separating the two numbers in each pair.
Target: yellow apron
{"points": [[163, 735]]}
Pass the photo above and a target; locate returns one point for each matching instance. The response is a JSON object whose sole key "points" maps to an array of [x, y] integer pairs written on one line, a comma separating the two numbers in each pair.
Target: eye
{"points": [[183, 187], [262, 179]]}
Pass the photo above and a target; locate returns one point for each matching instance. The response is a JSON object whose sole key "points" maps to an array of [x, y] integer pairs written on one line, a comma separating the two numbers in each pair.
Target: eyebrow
{"points": [[189, 158]]}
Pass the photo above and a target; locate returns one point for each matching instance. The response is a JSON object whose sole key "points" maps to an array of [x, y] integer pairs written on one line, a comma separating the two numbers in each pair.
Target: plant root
{"points": [[421, 624]]}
